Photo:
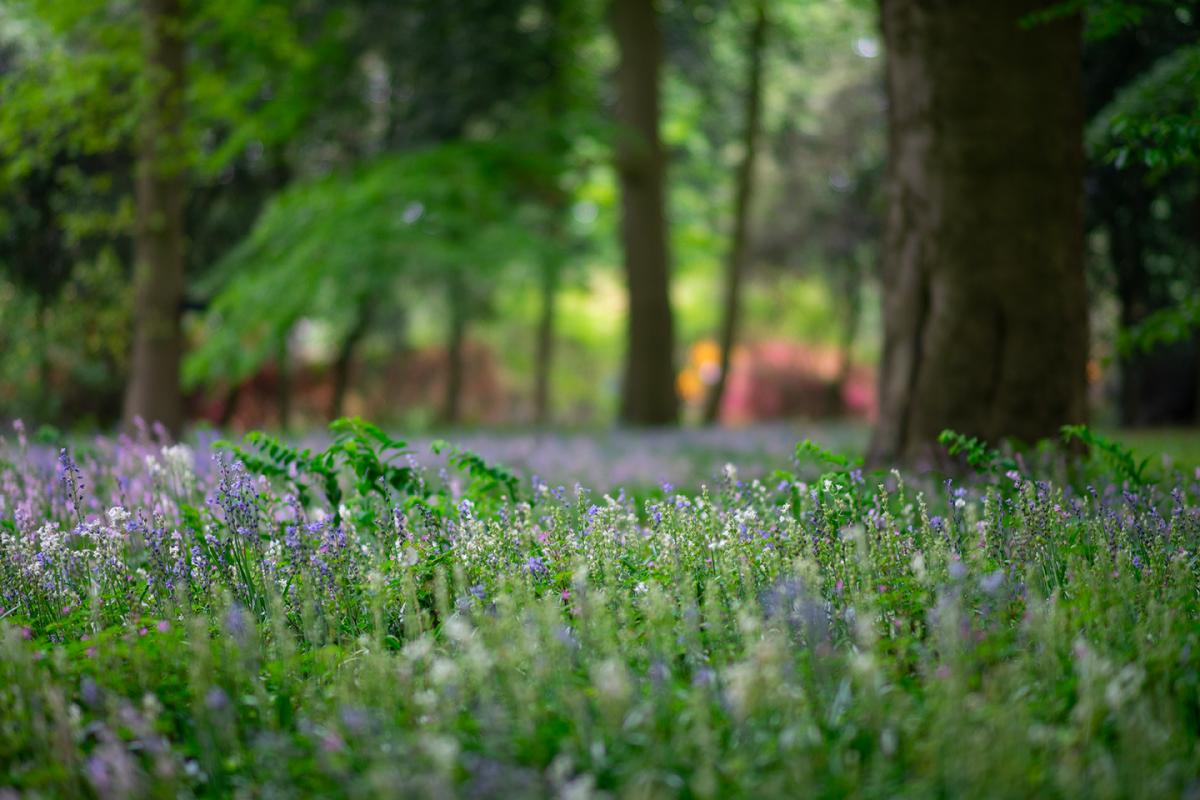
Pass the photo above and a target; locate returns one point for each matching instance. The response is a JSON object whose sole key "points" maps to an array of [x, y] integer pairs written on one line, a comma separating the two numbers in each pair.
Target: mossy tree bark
{"points": [[154, 393], [985, 316], [648, 392]]}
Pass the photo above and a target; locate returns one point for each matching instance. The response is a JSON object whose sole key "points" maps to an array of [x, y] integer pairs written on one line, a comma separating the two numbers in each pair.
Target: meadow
{"points": [[370, 619]]}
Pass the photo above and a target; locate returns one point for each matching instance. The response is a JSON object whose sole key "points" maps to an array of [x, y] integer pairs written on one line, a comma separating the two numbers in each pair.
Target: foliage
{"points": [[984, 460], [741, 641], [364, 457], [1155, 119], [82, 79], [978, 455], [1119, 457], [418, 220], [73, 85], [1165, 326], [1104, 18]]}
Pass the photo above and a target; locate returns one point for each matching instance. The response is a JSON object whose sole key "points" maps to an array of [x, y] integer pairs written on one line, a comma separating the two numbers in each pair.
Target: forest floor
{"points": [[174, 623], [687, 457], [1181, 445]]}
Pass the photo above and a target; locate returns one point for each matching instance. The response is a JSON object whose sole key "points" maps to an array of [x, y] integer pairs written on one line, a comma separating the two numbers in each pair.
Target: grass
{"points": [[1181, 445], [175, 626]]}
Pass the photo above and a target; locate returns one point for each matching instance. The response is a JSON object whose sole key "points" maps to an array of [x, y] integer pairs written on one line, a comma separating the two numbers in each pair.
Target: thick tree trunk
{"points": [[985, 317], [736, 264], [648, 392], [153, 392], [544, 357]]}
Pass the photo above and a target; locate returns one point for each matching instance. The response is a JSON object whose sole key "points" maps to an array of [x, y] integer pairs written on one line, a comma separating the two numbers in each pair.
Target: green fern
{"points": [[1119, 457], [979, 456], [364, 457]]}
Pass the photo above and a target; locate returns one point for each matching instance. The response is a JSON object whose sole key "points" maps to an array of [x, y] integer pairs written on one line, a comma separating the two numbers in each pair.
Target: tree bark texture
{"points": [[738, 247], [985, 316], [648, 394], [154, 392]]}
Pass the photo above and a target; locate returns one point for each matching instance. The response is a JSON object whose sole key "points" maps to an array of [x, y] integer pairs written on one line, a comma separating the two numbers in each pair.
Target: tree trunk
{"points": [[1195, 410], [985, 317], [154, 392], [851, 300], [344, 363], [283, 388], [229, 405], [452, 401], [736, 264], [544, 357], [45, 389], [1129, 262], [648, 392]]}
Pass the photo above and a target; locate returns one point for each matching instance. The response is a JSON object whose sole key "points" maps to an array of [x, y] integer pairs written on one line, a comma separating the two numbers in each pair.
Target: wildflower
{"points": [[215, 699], [991, 582], [957, 570], [611, 681]]}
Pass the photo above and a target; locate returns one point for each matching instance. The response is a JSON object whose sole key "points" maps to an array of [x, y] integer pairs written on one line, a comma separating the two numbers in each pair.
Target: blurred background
{"points": [[412, 211]]}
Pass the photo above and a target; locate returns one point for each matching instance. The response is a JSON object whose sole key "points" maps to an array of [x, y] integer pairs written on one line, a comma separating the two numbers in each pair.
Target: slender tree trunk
{"points": [[154, 392], [46, 391], [648, 393], [344, 363], [1128, 254], [544, 357], [283, 388], [736, 264], [452, 401], [851, 314], [1196, 233], [566, 20], [229, 405], [985, 317]]}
